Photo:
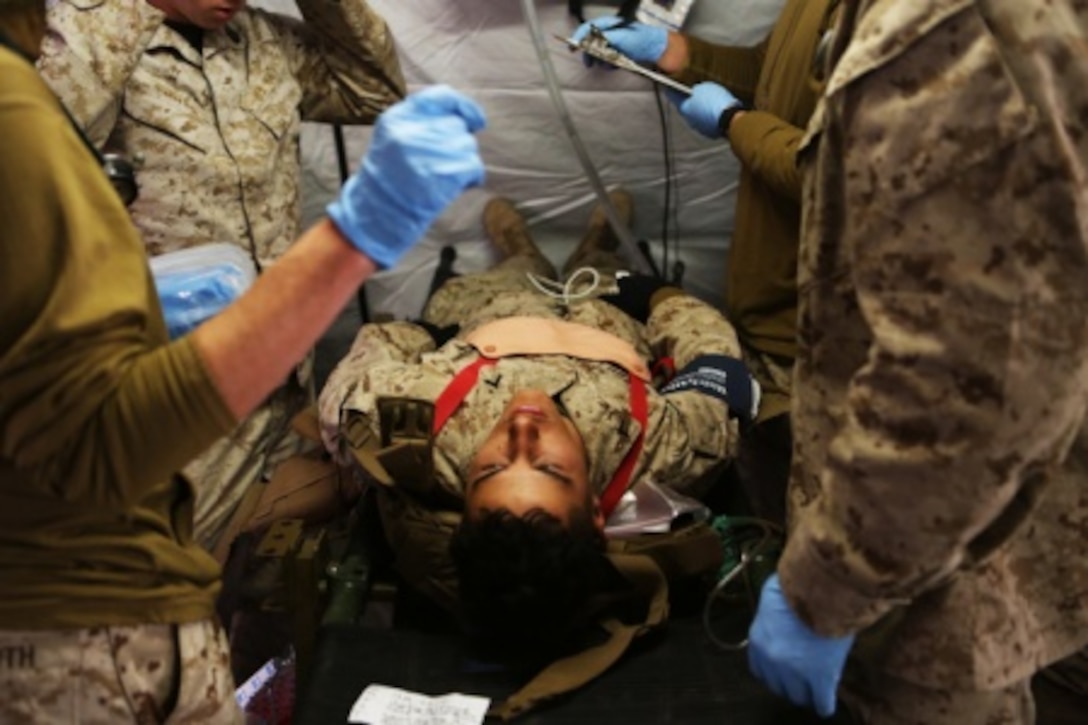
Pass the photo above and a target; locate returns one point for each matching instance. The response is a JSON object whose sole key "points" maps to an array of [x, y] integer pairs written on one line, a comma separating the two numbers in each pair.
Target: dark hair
{"points": [[525, 582]]}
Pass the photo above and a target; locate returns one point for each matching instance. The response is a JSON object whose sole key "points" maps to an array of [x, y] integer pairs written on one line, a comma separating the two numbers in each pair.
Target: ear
{"points": [[598, 514]]}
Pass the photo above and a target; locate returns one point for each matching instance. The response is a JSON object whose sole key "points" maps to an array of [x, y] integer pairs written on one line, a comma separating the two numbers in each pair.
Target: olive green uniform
{"points": [[97, 412]]}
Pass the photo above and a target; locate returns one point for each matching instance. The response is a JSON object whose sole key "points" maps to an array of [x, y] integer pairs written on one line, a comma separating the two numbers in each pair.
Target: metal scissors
{"points": [[596, 45]]}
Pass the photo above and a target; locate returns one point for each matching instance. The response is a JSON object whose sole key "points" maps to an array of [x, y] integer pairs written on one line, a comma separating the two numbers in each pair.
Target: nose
{"points": [[522, 434]]}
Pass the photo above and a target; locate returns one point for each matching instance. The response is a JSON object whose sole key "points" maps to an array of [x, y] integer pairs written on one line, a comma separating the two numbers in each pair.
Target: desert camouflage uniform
{"points": [[944, 349], [689, 434], [215, 136], [143, 674]]}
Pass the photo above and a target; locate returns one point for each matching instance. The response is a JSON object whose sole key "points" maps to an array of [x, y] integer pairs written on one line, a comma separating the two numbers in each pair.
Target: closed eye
{"points": [[556, 473], [547, 469], [486, 473]]}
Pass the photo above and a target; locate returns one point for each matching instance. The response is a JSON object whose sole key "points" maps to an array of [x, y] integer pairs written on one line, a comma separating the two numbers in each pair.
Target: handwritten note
{"points": [[382, 705]]}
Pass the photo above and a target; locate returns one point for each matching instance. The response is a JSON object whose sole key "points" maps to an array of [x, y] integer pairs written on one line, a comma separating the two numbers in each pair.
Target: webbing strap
{"points": [[456, 392], [464, 381], [622, 477], [572, 672]]}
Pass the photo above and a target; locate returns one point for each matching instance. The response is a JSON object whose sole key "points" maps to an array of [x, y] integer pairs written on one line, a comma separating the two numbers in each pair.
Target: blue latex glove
{"points": [[792, 660], [421, 157], [638, 41], [704, 107]]}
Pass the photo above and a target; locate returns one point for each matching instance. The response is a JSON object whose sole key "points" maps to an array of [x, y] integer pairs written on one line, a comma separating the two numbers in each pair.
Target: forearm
{"points": [[691, 61], [346, 61], [767, 146], [251, 347], [683, 328], [693, 438], [88, 56]]}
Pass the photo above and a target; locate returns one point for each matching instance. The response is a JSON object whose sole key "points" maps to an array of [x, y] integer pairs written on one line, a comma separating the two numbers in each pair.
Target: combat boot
{"points": [[600, 246], [507, 230]]}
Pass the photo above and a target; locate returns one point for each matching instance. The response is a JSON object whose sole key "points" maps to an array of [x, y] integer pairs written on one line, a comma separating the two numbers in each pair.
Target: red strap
{"points": [[618, 485], [456, 392], [663, 370], [463, 383]]}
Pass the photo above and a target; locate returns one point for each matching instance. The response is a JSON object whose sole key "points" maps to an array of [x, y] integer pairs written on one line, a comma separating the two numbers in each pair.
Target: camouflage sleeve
{"points": [[694, 433], [683, 327], [376, 348], [344, 58], [89, 52], [690, 435], [969, 259]]}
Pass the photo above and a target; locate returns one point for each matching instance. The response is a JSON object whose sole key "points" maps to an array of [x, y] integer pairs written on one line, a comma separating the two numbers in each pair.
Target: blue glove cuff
{"points": [[638, 41], [370, 228], [422, 155], [791, 659], [704, 108]]}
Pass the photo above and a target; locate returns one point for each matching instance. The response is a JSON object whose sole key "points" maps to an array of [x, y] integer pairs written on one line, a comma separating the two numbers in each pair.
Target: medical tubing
{"points": [[564, 291], [627, 240], [770, 535]]}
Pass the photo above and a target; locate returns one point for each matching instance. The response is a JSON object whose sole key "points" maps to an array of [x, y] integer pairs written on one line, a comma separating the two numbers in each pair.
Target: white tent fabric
{"points": [[484, 48]]}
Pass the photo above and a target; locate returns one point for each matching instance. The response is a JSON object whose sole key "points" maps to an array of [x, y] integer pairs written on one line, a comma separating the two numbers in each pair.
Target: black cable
{"points": [[670, 211], [342, 167]]}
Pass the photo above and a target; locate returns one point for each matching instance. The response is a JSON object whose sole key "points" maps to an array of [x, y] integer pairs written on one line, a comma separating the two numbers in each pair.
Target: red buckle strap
{"points": [[456, 392], [465, 380]]}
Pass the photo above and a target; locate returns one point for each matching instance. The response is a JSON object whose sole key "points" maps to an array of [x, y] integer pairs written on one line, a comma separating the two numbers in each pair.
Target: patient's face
{"points": [[207, 14], [532, 458]]}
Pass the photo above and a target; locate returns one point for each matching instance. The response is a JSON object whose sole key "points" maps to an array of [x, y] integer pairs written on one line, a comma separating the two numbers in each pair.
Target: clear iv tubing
{"points": [[627, 241]]}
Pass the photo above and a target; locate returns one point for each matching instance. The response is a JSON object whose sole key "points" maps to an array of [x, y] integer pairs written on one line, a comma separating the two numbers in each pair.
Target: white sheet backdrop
{"points": [[484, 47]]}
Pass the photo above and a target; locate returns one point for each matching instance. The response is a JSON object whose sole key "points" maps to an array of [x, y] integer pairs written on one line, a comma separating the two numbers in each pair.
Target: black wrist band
{"points": [[727, 117]]}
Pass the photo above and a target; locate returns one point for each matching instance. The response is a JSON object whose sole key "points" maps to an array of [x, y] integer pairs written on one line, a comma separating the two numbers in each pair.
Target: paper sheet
{"points": [[383, 705]]}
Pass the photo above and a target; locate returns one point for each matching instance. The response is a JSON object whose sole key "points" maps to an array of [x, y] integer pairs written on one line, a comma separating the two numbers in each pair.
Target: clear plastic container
{"points": [[196, 284]]}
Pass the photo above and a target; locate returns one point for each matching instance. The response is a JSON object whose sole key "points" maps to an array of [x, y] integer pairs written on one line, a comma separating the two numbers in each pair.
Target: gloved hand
{"points": [[638, 41], [421, 157], [791, 659], [722, 377], [440, 335], [636, 293], [704, 107]]}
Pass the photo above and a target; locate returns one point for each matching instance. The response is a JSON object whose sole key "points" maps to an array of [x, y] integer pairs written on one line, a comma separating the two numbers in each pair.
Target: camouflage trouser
{"points": [[141, 674], [458, 297], [766, 446], [223, 473], [875, 698]]}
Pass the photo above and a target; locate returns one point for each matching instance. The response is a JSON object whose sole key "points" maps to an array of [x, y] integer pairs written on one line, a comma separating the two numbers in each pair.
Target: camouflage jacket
{"points": [[689, 435], [944, 341], [214, 132]]}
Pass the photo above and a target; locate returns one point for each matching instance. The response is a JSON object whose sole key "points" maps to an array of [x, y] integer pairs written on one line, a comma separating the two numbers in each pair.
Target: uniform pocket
{"points": [[272, 95]]}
